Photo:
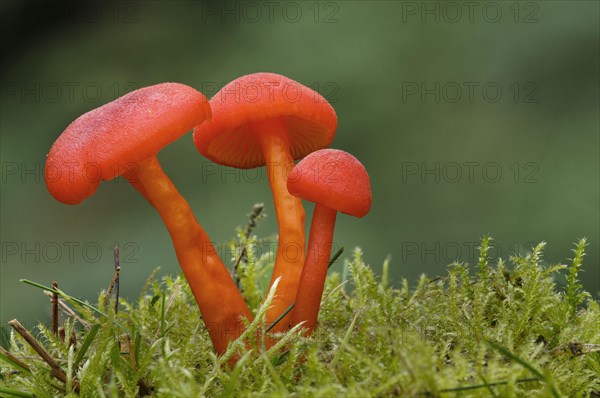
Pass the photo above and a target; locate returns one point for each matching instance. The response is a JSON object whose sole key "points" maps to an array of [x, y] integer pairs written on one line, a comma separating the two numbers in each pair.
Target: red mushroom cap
{"points": [[108, 141], [332, 178], [228, 138]]}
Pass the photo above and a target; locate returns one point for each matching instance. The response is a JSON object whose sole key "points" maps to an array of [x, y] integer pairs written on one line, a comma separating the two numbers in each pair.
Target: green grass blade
{"points": [[86, 345], [280, 317], [504, 351], [488, 385], [345, 340], [162, 315], [334, 258], [15, 393], [64, 295]]}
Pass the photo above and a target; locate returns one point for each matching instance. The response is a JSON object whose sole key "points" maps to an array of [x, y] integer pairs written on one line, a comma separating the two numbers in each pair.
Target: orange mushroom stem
{"points": [[335, 181], [308, 299], [289, 212], [220, 303]]}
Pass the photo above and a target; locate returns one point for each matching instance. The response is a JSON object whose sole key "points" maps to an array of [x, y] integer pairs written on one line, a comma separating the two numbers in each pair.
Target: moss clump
{"points": [[507, 330]]}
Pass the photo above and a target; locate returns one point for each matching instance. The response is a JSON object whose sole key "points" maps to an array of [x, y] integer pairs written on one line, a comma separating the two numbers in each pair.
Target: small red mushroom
{"points": [[268, 119], [123, 137], [335, 181]]}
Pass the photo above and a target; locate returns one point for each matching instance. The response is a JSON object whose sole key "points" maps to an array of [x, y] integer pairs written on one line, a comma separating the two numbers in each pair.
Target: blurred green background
{"points": [[471, 120]]}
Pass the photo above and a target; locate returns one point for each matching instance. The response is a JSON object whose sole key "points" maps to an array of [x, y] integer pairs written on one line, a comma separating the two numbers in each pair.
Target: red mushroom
{"points": [[335, 181], [123, 138], [268, 119]]}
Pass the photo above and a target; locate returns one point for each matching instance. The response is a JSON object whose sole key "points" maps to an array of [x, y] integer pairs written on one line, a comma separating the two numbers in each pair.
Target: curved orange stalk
{"points": [[312, 281], [290, 217], [220, 302]]}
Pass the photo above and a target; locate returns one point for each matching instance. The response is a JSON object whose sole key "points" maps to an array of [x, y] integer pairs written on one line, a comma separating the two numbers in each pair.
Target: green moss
{"points": [[504, 330]]}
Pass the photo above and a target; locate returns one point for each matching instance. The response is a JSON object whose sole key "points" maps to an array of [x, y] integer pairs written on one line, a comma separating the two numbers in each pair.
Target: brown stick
{"points": [[69, 311], [117, 272], [54, 301], [73, 338], [14, 359], [56, 370], [131, 352], [252, 217], [114, 283], [37, 347]]}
